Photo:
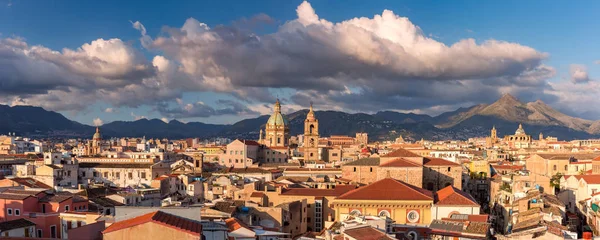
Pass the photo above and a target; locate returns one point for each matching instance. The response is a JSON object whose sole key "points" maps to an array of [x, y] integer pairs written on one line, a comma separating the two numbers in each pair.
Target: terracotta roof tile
{"points": [[366, 233], [15, 224], [452, 196], [235, 224], [30, 182], [257, 194], [430, 161], [401, 152], [365, 162], [591, 179], [337, 191], [388, 189], [162, 218], [400, 162]]}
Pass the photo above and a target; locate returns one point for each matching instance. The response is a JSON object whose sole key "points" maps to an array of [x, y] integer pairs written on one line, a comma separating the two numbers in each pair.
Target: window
{"points": [[566, 168], [412, 216], [449, 169], [17, 212], [384, 213], [118, 175], [143, 174], [9, 211], [105, 174], [66, 208], [354, 169], [95, 174], [53, 231], [39, 233], [370, 169], [83, 175], [554, 168], [355, 212], [130, 175]]}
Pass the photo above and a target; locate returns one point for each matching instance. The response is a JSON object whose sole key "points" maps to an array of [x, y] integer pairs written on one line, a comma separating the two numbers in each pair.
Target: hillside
{"points": [[463, 123]]}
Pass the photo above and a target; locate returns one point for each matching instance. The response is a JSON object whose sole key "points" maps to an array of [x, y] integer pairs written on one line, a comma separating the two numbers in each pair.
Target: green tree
{"points": [[555, 180]]}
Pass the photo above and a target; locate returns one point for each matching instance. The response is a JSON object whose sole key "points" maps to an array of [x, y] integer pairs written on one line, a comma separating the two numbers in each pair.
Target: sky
{"points": [[222, 61]]}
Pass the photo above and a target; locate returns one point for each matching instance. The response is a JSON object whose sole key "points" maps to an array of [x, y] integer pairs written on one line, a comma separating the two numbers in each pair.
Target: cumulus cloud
{"points": [[579, 73], [109, 110], [98, 122], [359, 64], [384, 55]]}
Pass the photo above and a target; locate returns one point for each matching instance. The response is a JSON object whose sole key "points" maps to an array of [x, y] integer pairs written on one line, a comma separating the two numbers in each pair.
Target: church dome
{"points": [[520, 130], [277, 119], [97, 134]]}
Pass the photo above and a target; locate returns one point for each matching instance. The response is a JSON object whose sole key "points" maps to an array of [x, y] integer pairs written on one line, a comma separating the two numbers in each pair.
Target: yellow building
{"points": [[399, 201], [211, 150]]}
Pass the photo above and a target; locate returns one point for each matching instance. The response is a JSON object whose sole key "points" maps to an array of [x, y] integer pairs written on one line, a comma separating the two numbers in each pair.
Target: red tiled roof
{"points": [[591, 179], [30, 182], [400, 162], [429, 161], [388, 189], [162, 218], [257, 194], [250, 142], [401, 152], [337, 191], [366, 233], [452, 196], [235, 224], [478, 218]]}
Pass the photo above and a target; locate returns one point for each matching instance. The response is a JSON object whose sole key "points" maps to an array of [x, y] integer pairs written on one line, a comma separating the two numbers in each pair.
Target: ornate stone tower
{"points": [[277, 129], [494, 135], [311, 136]]}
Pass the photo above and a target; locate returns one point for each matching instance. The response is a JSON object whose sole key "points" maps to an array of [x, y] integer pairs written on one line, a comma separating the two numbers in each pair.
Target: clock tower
{"points": [[311, 136]]}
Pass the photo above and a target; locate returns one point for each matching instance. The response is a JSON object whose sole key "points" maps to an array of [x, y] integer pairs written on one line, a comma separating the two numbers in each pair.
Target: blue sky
{"points": [[565, 30]]}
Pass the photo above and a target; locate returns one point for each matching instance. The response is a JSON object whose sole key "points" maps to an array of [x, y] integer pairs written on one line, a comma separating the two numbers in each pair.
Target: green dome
{"points": [[277, 119], [97, 134]]}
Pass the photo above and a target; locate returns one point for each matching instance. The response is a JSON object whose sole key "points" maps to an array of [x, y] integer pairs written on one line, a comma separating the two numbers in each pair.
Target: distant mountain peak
{"points": [[507, 98]]}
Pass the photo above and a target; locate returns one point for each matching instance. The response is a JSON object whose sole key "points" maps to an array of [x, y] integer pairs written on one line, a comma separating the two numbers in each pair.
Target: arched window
{"points": [[355, 212], [554, 168], [311, 129], [384, 213], [354, 169], [412, 216], [371, 169]]}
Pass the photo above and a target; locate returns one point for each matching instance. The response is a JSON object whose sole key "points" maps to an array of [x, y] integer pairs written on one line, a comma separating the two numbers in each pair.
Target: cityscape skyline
{"points": [[146, 70]]}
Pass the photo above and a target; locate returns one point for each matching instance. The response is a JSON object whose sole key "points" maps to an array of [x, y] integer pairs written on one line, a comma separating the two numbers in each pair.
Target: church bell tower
{"points": [[311, 136]]}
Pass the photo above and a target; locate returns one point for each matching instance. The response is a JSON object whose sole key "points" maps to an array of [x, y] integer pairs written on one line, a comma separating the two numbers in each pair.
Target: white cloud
{"points": [[138, 117], [109, 110], [385, 61], [98, 122], [578, 73]]}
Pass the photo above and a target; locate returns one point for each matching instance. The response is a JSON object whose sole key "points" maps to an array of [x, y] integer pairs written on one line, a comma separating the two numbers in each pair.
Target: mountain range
{"points": [[463, 123]]}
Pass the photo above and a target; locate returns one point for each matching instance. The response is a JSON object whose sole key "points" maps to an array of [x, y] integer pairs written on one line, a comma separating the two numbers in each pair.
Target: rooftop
{"points": [[401, 152], [162, 218], [400, 162], [453, 196], [388, 189], [15, 224], [365, 162]]}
